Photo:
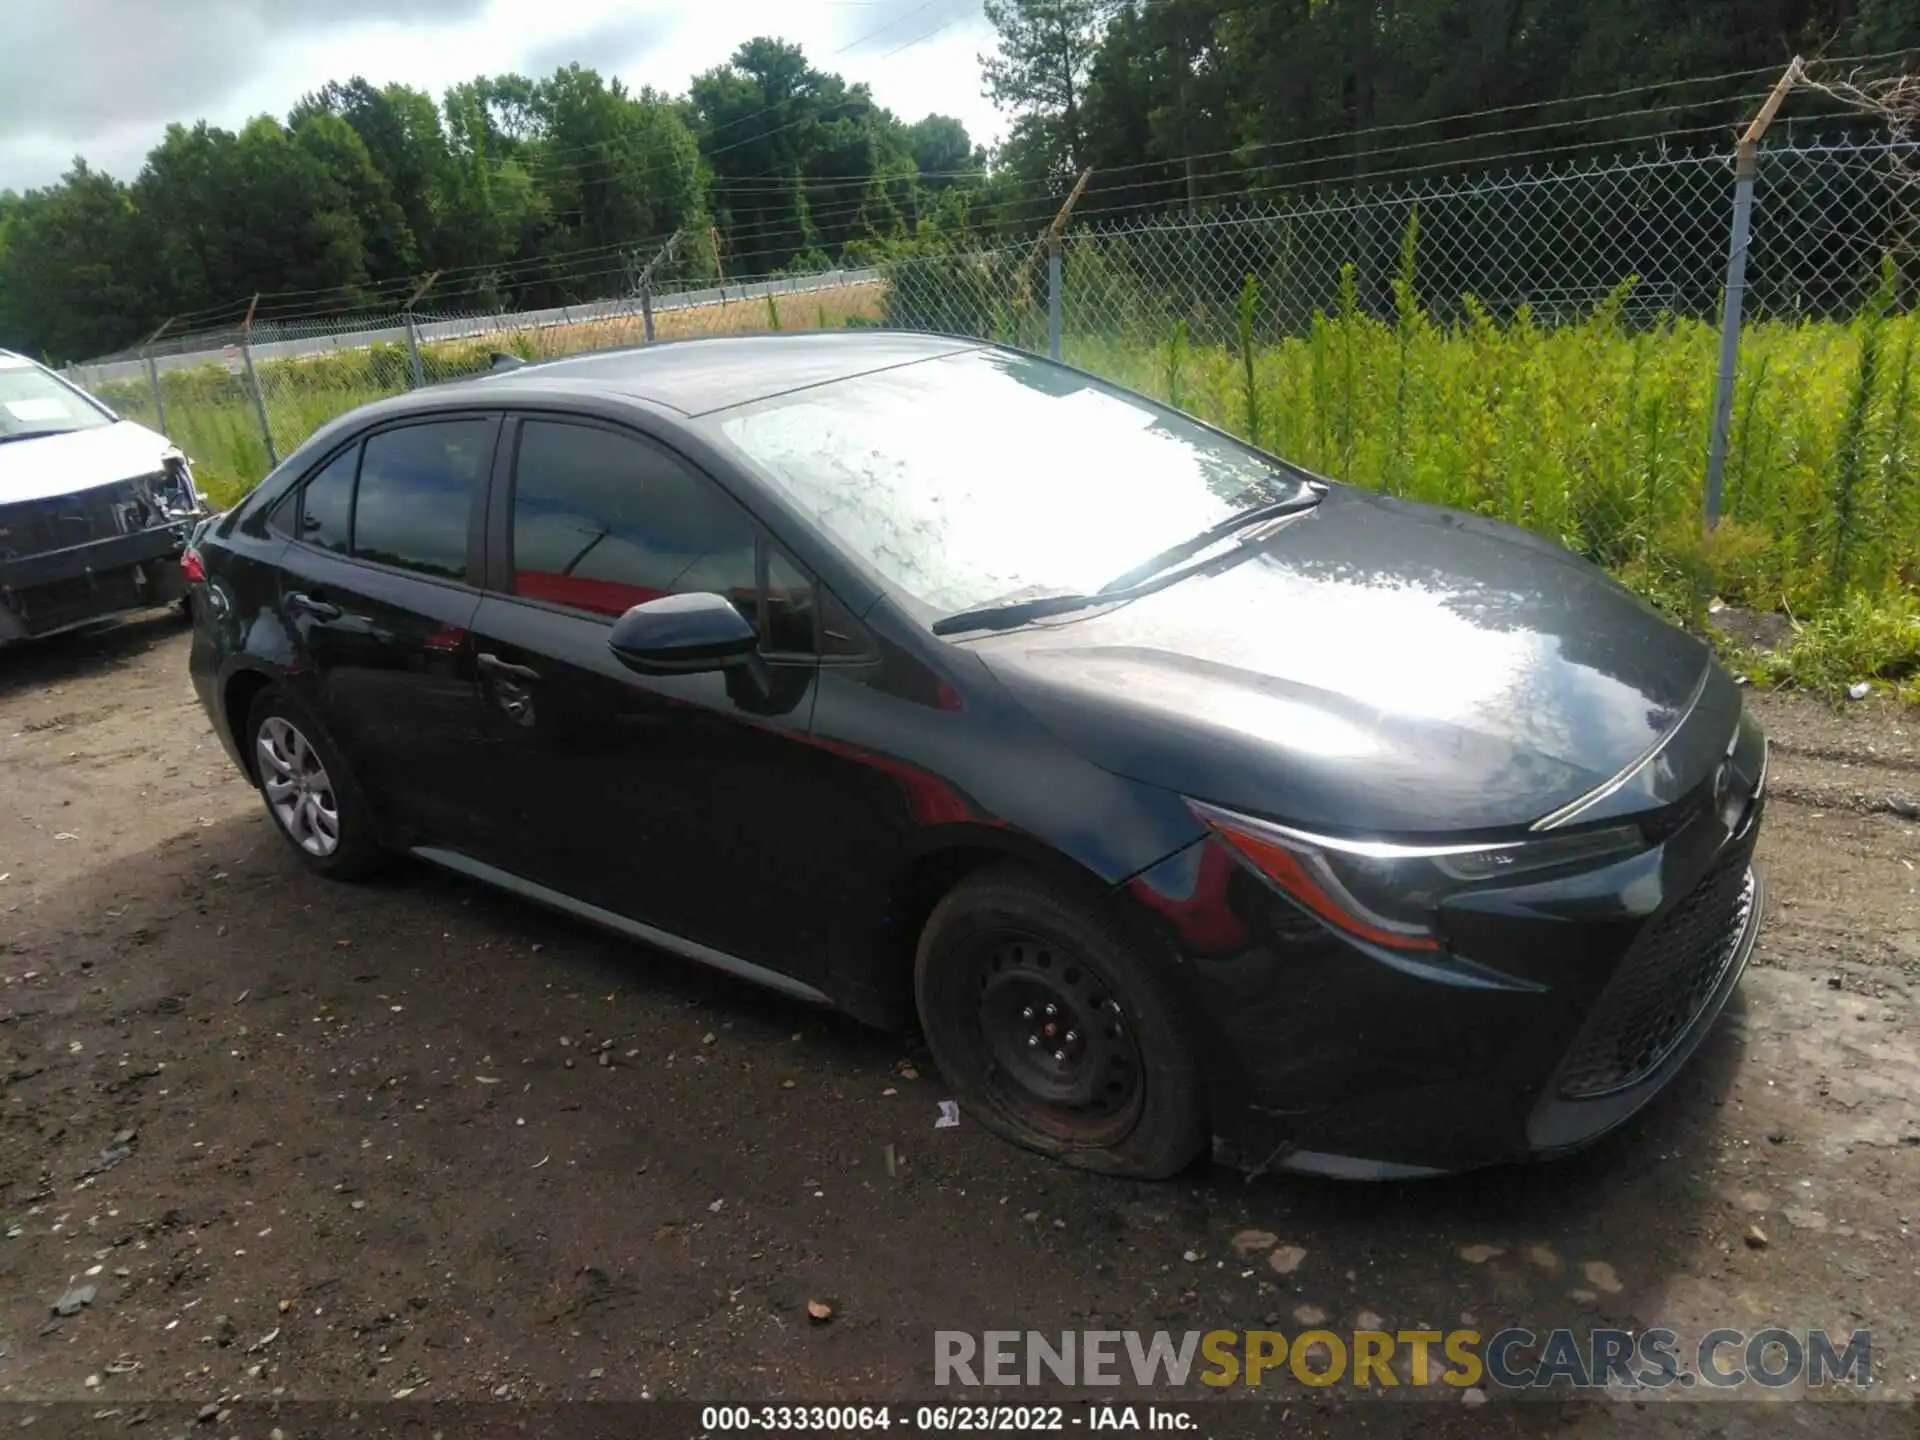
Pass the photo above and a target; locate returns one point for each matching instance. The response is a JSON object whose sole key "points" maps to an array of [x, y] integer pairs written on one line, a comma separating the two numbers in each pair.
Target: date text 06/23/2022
{"points": [[943, 1419]]}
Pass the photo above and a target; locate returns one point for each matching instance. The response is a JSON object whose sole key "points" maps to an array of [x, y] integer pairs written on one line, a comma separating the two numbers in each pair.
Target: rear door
{"points": [[377, 591], [686, 802]]}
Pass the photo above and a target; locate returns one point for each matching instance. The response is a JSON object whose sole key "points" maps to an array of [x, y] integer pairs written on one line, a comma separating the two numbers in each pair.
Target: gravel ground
{"points": [[322, 1142]]}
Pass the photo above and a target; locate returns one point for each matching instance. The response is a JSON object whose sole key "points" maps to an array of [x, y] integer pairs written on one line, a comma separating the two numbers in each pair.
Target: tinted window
{"points": [[416, 495], [840, 633], [790, 606], [326, 502], [974, 477], [604, 522]]}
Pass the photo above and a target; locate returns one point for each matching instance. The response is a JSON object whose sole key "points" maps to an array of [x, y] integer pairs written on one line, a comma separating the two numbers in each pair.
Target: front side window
{"points": [[790, 609], [603, 522], [985, 476], [415, 500]]}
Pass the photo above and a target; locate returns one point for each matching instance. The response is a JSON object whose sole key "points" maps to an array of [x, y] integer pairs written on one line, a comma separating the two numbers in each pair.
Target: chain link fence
{"points": [[1537, 343]]}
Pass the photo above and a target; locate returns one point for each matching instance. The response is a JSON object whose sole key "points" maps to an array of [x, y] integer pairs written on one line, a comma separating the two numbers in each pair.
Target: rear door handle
{"points": [[319, 609], [494, 665]]}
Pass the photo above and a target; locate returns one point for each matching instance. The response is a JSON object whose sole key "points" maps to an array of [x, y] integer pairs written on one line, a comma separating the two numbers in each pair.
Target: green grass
{"points": [[1593, 433]]}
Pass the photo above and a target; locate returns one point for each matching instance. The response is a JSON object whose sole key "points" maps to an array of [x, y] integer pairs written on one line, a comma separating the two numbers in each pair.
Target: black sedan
{"points": [[1180, 794]]}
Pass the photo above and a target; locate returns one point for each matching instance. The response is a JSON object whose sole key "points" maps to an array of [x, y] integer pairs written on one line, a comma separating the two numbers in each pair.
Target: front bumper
{"points": [[54, 590], [1584, 996]]}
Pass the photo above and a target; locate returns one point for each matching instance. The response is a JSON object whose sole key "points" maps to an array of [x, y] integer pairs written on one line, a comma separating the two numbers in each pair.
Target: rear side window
{"points": [[326, 503], [415, 500], [604, 522]]}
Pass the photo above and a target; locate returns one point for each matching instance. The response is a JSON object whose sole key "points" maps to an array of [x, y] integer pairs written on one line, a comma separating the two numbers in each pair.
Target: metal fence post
{"points": [[153, 374], [1746, 167], [159, 400], [413, 334], [1054, 268], [253, 384], [643, 282], [413, 352]]}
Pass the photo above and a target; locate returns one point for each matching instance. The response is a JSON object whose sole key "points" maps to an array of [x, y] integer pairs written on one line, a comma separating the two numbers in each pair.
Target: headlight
{"points": [[172, 489], [1389, 894]]}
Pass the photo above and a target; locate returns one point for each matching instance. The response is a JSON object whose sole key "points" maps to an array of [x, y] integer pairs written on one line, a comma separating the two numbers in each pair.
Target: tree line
{"points": [[511, 190], [515, 191]]}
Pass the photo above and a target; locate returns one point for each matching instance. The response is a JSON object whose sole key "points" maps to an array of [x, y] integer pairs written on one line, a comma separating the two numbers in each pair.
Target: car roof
{"points": [[698, 376]]}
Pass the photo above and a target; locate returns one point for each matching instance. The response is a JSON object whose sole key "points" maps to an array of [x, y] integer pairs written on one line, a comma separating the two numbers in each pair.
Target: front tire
{"points": [[1054, 1031], [310, 792]]}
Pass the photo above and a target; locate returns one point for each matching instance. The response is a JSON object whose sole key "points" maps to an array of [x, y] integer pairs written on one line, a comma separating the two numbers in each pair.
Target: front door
{"points": [[685, 801]]}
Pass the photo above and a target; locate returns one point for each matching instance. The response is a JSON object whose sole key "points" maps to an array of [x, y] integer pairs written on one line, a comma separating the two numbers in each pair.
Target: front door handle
{"points": [[494, 665], [319, 609]]}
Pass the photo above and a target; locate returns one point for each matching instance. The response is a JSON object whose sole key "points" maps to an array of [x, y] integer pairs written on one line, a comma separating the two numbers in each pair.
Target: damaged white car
{"points": [[94, 510]]}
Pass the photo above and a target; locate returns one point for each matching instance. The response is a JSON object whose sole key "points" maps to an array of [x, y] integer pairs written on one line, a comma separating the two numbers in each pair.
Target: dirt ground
{"points": [[328, 1142]]}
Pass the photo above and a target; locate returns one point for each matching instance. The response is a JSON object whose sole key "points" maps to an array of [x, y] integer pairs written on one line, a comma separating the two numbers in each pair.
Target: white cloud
{"points": [[226, 60]]}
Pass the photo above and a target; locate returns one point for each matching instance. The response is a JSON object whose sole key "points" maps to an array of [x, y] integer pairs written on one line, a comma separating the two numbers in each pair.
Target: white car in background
{"points": [[94, 510]]}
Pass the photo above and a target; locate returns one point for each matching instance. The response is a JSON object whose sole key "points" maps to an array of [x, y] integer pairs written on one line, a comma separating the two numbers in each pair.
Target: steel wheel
{"points": [[1057, 1026], [297, 788], [1061, 1054]]}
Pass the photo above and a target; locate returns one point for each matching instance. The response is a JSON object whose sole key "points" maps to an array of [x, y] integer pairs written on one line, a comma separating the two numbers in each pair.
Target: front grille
{"points": [[1667, 978], [32, 527]]}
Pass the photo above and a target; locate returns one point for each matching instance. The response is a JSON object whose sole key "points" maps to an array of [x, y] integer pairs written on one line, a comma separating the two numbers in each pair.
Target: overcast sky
{"points": [[101, 78]]}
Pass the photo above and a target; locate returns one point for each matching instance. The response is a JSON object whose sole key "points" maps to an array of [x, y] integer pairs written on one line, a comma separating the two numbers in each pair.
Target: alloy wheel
{"points": [[297, 788]]}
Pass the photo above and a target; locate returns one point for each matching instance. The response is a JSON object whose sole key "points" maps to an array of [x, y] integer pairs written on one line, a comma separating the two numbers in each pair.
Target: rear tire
{"points": [[309, 790], [1055, 1032]]}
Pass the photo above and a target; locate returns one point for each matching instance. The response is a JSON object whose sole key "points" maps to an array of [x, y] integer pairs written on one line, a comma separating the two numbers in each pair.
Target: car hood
{"points": [[1374, 667], [52, 465]]}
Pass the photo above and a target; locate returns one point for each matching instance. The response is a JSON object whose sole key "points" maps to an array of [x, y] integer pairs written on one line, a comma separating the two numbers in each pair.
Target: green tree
{"points": [[182, 197], [70, 286], [625, 165], [401, 130], [290, 224], [388, 242], [1039, 72], [800, 161], [943, 153]]}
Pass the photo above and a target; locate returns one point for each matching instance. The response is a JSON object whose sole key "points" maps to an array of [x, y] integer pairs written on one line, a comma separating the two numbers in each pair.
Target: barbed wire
{"points": [[1036, 203], [1384, 191]]}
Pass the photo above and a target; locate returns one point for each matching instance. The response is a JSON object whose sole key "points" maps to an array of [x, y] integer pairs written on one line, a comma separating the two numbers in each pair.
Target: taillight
{"points": [[190, 563]]}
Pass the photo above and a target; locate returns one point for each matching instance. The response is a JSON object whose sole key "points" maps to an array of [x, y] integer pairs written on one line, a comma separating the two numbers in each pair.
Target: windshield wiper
{"points": [[1143, 579], [31, 434], [1213, 535]]}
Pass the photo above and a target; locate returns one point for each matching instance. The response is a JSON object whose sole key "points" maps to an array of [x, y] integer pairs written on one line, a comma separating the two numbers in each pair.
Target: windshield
{"points": [[33, 402], [985, 476]]}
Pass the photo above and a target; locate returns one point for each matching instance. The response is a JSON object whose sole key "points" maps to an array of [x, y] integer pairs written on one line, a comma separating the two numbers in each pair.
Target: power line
{"points": [[1288, 187], [1347, 157]]}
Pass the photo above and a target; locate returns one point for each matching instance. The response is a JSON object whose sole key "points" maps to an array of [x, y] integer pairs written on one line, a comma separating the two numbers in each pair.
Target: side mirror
{"points": [[683, 635]]}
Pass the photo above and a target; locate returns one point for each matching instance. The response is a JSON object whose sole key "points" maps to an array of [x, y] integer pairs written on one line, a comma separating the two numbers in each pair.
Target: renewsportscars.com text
{"points": [[1512, 1359]]}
